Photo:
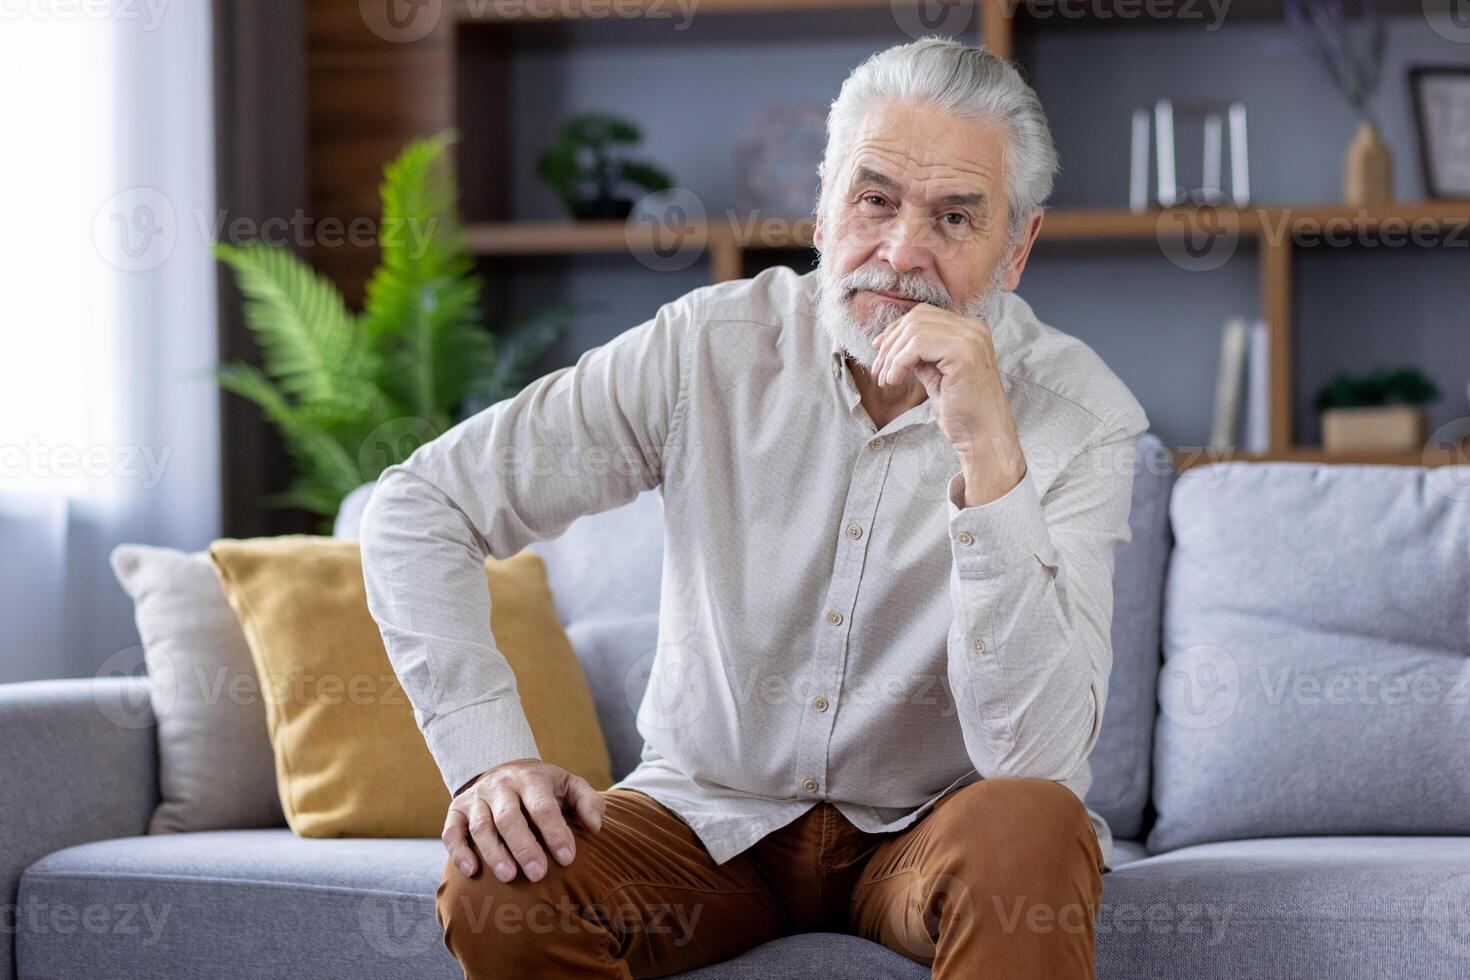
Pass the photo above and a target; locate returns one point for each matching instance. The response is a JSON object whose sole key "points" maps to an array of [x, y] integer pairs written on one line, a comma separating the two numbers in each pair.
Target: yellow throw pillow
{"points": [[350, 760]]}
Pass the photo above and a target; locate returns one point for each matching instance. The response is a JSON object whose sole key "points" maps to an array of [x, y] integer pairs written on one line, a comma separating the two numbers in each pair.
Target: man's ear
{"points": [[1017, 259]]}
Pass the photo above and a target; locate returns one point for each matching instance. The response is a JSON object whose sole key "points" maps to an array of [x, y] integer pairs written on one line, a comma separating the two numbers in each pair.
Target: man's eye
{"points": [[956, 214], [874, 199]]}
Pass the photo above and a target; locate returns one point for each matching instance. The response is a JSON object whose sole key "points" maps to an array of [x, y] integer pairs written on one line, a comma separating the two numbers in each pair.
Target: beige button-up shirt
{"points": [[834, 624]]}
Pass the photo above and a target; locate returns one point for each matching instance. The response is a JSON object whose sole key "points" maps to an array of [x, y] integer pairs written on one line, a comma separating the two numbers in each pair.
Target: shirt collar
{"points": [[837, 358]]}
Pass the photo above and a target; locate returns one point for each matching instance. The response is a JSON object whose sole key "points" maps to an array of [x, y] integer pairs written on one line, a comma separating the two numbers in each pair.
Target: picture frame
{"points": [[1441, 96]]}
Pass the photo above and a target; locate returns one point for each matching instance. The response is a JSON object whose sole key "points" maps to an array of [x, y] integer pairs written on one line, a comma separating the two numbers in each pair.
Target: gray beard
{"points": [[834, 304]]}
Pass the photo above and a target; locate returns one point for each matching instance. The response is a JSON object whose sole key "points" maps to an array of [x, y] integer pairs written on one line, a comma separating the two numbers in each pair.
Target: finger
{"points": [[899, 363], [587, 802], [881, 360], [456, 842], [505, 807], [919, 348], [888, 333], [487, 839], [545, 810], [894, 337]]}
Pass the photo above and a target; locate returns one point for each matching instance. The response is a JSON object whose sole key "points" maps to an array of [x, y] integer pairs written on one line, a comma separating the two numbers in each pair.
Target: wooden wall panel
{"points": [[367, 96]]}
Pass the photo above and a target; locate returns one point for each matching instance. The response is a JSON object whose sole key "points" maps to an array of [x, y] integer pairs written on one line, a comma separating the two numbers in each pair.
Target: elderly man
{"points": [[891, 498]]}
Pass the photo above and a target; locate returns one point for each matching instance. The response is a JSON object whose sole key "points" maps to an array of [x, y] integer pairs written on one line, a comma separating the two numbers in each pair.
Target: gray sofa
{"points": [[1266, 826]]}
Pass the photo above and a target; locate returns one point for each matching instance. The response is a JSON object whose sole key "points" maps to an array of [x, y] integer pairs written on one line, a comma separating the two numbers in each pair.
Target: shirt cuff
{"points": [[985, 540], [477, 737]]}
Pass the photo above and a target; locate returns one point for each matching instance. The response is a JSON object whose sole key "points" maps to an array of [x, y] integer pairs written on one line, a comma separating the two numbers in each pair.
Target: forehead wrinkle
{"points": [[977, 197]]}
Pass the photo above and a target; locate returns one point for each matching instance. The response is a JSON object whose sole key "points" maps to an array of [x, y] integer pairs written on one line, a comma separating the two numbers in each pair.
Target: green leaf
{"points": [[646, 175], [422, 307], [309, 342]]}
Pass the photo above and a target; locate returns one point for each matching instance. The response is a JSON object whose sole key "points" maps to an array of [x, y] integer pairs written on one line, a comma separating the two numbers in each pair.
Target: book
{"points": [[1257, 437], [1225, 424]]}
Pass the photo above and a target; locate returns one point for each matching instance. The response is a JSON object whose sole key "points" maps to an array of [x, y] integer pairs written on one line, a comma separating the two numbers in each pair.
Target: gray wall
{"points": [[1158, 326]]}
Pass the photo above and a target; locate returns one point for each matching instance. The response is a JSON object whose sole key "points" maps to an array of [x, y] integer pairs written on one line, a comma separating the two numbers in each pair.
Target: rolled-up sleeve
{"points": [[580, 440], [1031, 585]]}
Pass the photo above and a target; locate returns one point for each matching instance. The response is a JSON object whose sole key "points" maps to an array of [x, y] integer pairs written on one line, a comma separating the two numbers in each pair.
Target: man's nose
{"points": [[908, 243]]}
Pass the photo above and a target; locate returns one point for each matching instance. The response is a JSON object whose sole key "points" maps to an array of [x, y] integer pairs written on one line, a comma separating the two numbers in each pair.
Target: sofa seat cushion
{"points": [[266, 903], [1338, 907]]}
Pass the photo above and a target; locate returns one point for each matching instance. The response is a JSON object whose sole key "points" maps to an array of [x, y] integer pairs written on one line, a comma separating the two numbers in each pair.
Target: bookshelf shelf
{"points": [[1269, 224], [1185, 459]]}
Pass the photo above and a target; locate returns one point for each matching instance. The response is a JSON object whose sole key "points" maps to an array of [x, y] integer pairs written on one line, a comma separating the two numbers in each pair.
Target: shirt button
{"points": [[854, 532], [819, 703], [809, 784], [965, 537], [875, 443], [834, 617], [979, 646]]}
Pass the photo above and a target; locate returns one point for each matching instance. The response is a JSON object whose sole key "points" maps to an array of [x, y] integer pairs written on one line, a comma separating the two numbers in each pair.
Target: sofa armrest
{"points": [[80, 764]]}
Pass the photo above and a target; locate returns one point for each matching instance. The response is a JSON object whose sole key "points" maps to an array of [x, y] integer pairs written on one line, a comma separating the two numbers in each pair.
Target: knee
{"points": [[1027, 835], [497, 928]]}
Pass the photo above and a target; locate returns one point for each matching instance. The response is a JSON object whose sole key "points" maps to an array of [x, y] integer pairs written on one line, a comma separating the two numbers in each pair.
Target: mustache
{"points": [[910, 285]]}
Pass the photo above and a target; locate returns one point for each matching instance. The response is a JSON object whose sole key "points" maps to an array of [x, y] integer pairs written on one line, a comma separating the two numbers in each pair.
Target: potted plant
{"points": [[587, 170], [1354, 60], [1377, 411], [355, 393]]}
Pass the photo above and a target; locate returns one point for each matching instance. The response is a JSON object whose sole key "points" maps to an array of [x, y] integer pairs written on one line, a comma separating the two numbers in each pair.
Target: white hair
{"points": [[967, 83]]}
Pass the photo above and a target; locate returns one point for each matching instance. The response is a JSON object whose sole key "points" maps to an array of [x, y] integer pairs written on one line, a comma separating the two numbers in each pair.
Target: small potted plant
{"points": [[588, 171], [1378, 411]]}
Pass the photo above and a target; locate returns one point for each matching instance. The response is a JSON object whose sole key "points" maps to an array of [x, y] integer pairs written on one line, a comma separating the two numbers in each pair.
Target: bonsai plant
{"points": [[1377, 411], [355, 393], [1355, 64], [587, 170]]}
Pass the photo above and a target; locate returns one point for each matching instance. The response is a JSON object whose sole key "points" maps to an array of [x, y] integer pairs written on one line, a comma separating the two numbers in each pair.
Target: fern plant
{"points": [[355, 393]]}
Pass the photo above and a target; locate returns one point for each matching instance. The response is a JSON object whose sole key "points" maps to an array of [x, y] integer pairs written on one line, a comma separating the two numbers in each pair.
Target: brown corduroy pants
{"points": [[1002, 878]]}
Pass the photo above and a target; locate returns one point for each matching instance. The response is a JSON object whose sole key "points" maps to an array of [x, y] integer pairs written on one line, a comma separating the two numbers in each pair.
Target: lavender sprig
{"points": [[1351, 51]]}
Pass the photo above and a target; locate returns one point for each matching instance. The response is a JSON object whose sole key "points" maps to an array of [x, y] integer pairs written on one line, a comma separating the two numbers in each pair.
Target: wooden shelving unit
{"points": [[473, 31]]}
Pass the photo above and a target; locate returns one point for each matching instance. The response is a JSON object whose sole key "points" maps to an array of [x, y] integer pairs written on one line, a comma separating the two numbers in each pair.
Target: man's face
{"points": [[916, 213]]}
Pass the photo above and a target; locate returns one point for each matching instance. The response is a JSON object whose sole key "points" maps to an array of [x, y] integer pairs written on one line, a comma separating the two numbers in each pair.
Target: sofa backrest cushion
{"points": [[603, 566], [1120, 760], [1315, 641]]}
